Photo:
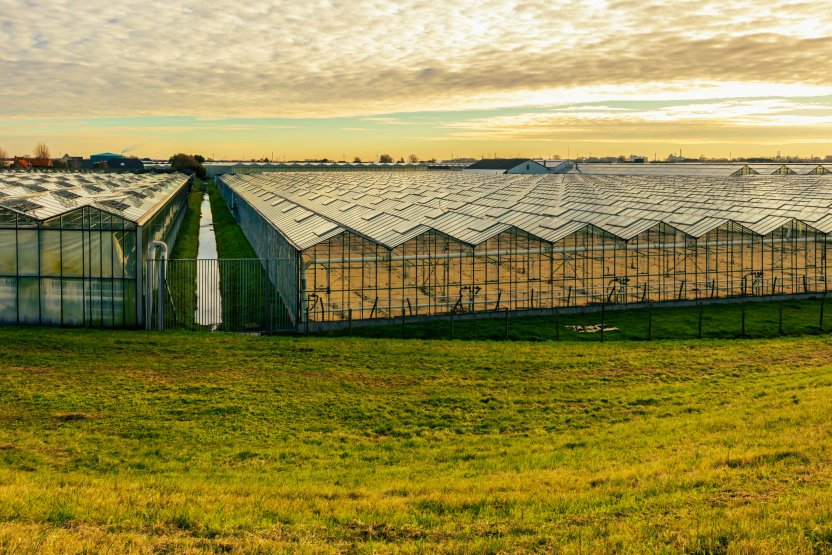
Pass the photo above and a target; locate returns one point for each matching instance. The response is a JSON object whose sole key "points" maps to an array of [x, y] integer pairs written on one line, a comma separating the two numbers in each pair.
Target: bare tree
{"points": [[413, 158], [357, 160], [41, 151], [385, 159]]}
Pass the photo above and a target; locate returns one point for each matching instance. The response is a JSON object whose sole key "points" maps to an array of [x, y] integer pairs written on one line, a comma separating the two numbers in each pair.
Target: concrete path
{"points": [[208, 297]]}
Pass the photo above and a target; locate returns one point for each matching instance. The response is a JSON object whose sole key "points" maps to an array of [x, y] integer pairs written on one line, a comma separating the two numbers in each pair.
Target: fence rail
{"points": [[233, 295]]}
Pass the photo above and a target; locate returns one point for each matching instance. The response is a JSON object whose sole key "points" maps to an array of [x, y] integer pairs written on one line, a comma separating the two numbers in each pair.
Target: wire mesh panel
{"points": [[217, 295]]}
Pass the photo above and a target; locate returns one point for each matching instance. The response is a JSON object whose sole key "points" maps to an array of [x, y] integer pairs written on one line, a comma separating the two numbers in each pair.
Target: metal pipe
{"points": [[160, 293]]}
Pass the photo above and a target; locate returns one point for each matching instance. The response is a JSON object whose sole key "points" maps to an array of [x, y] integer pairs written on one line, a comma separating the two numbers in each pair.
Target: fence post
{"points": [[349, 317], [557, 324], [780, 318], [822, 302], [402, 321], [160, 296], [268, 286], [743, 318], [602, 320], [452, 325], [506, 323], [650, 322], [699, 332]]}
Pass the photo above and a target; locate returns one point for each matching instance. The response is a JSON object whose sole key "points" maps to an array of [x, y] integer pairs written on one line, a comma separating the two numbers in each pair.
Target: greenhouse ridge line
{"points": [[390, 209]]}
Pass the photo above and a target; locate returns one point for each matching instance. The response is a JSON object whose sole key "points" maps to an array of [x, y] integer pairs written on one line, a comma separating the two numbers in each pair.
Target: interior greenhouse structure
{"points": [[72, 245], [376, 245]]}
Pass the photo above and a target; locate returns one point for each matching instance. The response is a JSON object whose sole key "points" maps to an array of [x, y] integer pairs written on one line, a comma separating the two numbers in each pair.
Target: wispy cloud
{"points": [[283, 59]]}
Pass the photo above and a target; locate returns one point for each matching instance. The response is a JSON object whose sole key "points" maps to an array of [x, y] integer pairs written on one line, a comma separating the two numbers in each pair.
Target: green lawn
{"points": [[142, 442]]}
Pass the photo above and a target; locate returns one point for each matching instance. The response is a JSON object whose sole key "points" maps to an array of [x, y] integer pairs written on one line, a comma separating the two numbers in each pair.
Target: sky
{"points": [[438, 79]]}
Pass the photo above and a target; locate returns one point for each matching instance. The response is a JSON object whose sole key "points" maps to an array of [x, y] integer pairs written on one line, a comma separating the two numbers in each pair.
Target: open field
{"points": [[141, 442]]}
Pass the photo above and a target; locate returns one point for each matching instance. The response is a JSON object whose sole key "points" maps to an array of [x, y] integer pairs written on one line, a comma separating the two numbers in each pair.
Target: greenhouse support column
{"points": [[140, 266]]}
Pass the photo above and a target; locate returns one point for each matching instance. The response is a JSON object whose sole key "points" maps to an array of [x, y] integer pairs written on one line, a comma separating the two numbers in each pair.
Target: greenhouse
{"points": [[72, 246], [358, 246]]}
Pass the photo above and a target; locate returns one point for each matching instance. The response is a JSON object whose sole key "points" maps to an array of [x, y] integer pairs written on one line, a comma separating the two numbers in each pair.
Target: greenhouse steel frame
{"points": [[375, 246], [72, 246]]}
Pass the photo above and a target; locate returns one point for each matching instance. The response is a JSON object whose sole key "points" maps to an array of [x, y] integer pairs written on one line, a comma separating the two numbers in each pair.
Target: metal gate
{"points": [[233, 295]]}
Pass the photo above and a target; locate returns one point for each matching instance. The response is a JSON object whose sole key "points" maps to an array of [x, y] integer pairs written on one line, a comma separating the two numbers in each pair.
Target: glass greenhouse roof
{"points": [[45, 195], [391, 208]]}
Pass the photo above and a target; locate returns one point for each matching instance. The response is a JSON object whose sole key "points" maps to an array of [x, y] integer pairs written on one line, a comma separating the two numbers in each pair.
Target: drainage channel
{"points": [[208, 297]]}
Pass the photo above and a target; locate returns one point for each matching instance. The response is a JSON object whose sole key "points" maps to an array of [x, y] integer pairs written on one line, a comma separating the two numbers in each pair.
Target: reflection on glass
{"points": [[27, 252], [50, 301], [50, 253], [8, 252], [8, 300]]}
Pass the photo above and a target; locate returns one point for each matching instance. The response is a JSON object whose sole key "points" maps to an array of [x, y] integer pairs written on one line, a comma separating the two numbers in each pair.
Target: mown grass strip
{"points": [[194, 442]]}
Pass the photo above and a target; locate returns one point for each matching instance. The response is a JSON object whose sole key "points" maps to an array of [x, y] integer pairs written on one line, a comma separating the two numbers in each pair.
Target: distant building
{"points": [[104, 157], [520, 166], [125, 164], [506, 165]]}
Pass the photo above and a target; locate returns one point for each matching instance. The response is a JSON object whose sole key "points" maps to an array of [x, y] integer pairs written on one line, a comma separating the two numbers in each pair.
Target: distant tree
{"points": [[187, 163], [59, 164], [385, 159], [413, 158], [356, 160], [41, 151], [199, 158], [401, 160]]}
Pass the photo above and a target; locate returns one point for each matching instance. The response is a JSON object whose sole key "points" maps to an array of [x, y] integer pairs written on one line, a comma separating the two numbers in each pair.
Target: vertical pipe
{"points": [[650, 322], [602, 321]]}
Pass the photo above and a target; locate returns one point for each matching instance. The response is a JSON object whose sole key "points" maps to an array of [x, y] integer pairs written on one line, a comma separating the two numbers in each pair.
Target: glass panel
{"points": [[106, 303], [8, 252], [73, 302], [72, 253], [118, 253], [8, 300], [7, 218], [50, 301], [54, 223], [94, 306], [50, 253], [130, 254], [27, 252], [28, 300], [118, 303], [94, 254], [107, 254], [73, 220], [129, 303]]}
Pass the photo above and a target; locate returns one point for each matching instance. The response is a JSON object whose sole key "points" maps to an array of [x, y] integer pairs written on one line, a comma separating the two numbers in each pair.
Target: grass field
{"points": [[141, 442]]}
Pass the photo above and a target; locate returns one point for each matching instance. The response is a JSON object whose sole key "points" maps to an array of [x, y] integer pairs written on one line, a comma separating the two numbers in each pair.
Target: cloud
{"points": [[324, 58], [713, 121]]}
